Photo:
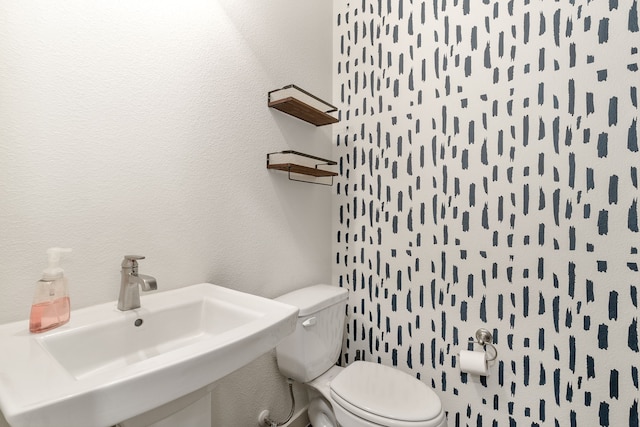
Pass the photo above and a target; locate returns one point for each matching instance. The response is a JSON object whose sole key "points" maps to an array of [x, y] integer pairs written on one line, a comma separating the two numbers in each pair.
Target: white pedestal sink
{"points": [[107, 365]]}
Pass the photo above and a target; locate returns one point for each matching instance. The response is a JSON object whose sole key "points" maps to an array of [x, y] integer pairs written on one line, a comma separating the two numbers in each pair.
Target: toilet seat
{"points": [[386, 396]]}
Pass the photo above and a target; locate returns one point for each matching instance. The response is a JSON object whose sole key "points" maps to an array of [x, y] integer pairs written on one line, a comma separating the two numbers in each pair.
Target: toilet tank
{"points": [[314, 346]]}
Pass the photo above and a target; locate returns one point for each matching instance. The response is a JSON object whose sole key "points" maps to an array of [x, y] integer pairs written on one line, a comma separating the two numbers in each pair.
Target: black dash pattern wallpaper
{"points": [[488, 155]]}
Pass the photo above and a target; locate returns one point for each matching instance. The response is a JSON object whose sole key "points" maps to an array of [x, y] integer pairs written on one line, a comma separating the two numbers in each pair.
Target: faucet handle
{"points": [[131, 260]]}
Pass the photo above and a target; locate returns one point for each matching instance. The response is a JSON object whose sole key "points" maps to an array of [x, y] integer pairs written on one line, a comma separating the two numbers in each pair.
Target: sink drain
{"points": [[138, 322]]}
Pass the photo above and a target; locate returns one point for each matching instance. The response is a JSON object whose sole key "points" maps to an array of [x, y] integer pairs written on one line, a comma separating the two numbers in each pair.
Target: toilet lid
{"points": [[370, 388]]}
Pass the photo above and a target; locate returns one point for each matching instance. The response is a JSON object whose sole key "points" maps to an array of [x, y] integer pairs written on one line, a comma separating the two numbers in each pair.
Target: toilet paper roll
{"points": [[474, 362]]}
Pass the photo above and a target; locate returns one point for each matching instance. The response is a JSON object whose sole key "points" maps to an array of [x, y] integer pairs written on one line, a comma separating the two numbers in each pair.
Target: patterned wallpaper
{"points": [[489, 161]]}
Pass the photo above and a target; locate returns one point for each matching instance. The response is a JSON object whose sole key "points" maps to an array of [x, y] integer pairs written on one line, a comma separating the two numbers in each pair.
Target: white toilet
{"points": [[363, 394]]}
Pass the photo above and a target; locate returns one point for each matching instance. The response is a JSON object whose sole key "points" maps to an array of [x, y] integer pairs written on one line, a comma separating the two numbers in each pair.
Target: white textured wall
{"points": [[141, 127]]}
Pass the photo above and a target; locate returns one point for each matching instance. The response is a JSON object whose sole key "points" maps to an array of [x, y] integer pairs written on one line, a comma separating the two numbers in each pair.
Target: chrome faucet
{"points": [[130, 283]]}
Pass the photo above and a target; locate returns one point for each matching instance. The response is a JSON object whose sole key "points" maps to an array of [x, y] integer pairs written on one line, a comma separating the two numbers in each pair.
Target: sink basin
{"points": [[105, 365], [116, 343]]}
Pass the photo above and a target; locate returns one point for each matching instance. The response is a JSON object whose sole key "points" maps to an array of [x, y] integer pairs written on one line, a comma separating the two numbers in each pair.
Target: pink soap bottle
{"points": [[51, 307]]}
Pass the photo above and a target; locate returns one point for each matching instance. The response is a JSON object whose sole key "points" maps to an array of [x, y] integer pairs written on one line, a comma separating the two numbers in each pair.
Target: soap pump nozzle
{"points": [[53, 270]]}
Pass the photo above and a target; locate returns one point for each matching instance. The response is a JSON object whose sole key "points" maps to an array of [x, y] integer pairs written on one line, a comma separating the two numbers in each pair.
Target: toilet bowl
{"points": [[368, 394], [363, 394], [321, 414]]}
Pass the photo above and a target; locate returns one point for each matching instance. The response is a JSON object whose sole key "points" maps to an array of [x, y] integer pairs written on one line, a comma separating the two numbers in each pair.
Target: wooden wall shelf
{"points": [[302, 167], [301, 104]]}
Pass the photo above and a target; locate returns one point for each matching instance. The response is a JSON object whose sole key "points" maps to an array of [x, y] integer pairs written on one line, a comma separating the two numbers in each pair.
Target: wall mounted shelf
{"points": [[302, 167], [301, 104]]}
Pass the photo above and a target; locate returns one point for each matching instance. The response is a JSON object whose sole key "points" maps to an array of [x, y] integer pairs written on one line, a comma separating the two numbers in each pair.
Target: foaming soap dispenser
{"points": [[51, 306]]}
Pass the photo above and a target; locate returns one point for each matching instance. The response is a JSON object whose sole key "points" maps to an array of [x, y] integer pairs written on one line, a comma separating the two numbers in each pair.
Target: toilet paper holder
{"points": [[484, 338]]}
